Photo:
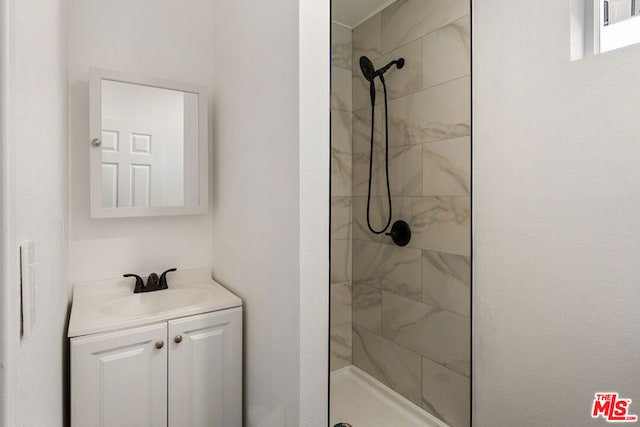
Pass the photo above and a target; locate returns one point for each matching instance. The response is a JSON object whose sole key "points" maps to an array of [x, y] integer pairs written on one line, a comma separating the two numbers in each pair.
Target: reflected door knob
{"points": [[96, 142], [178, 339], [159, 344]]}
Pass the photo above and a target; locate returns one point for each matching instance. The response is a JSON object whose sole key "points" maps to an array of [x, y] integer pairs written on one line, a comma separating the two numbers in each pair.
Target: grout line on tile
{"points": [[416, 91], [424, 35], [358, 153], [444, 366], [411, 247]]}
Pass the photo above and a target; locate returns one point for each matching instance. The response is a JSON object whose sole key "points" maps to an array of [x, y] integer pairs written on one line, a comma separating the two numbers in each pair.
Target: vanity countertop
{"points": [[109, 305]]}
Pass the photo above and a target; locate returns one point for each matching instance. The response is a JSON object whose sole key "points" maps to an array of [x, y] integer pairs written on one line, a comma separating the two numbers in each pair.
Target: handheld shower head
{"points": [[369, 72], [366, 66]]}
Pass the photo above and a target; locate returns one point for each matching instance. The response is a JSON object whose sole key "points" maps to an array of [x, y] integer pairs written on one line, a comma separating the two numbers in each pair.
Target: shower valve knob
{"points": [[400, 233]]}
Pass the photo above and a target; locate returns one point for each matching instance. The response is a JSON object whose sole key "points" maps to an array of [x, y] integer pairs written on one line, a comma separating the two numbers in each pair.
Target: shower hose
{"points": [[372, 91]]}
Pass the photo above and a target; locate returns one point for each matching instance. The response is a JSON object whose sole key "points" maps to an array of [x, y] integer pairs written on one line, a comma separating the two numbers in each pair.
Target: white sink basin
{"points": [[153, 302], [109, 305]]}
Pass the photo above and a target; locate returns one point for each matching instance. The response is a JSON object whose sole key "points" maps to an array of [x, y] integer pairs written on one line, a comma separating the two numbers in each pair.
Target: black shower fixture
{"points": [[400, 231], [369, 72]]}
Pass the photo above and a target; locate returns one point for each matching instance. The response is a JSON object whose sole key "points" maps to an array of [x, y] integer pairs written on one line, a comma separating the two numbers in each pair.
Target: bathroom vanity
{"points": [[165, 358]]}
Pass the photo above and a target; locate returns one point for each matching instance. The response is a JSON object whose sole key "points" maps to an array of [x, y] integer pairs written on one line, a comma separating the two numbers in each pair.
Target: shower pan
{"points": [[400, 214]]}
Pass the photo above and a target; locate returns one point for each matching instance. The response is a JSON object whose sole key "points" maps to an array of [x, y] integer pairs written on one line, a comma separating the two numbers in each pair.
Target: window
{"points": [[618, 24]]}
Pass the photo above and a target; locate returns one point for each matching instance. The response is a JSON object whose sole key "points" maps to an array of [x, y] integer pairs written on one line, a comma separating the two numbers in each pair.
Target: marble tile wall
{"points": [[410, 305], [341, 200]]}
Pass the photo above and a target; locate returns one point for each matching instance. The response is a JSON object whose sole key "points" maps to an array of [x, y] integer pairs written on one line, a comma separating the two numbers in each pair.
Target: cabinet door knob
{"points": [[159, 344], [178, 339]]}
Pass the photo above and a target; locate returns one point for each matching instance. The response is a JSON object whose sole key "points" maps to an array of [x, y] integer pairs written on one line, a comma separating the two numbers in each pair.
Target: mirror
{"points": [[149, 146]]}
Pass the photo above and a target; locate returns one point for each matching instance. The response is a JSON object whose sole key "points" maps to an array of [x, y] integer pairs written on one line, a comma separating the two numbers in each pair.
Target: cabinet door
{"points": [[119, 379], [205, 370]]}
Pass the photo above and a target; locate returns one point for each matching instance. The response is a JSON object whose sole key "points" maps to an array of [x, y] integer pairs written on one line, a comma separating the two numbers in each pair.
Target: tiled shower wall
{"points": [[341, 142], [411, 324]]}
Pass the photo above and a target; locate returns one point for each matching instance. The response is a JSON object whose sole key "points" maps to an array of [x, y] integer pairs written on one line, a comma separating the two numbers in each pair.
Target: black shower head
{"points": [[369, 72]]}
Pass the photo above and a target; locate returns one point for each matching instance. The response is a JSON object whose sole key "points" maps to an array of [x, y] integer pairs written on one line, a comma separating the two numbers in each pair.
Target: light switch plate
{"points": [[27, 288]]}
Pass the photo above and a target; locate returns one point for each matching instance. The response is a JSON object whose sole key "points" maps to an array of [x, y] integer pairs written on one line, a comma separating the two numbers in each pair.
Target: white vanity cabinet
{"points": [[205, 370], [119, 378], [169, 358], [185, 372]]}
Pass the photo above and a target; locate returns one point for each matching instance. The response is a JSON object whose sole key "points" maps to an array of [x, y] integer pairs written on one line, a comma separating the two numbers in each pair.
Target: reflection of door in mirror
{"points": [[149, 146], [143, 145], [127, 170]]}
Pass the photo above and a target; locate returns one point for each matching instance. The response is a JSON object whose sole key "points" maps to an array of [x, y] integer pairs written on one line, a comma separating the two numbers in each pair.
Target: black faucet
{"points": [[153, 282], [163, 278]]}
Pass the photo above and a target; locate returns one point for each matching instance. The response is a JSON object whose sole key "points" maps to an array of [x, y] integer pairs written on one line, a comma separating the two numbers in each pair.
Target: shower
{"points": [[400, 230], [400, 291]]}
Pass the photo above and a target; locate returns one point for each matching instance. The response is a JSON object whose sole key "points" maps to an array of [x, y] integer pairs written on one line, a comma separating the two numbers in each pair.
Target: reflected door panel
{"points": [[128, 156], [109, 185]]}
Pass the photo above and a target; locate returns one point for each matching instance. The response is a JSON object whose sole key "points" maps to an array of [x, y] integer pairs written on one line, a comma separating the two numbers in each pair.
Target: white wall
{"points": [[34, 192], [556, 236], [155, 38], [314, 211], [256, 226]]}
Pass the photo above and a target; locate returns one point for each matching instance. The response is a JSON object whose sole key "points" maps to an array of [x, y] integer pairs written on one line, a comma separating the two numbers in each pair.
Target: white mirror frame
{"points": [[95, 157]]}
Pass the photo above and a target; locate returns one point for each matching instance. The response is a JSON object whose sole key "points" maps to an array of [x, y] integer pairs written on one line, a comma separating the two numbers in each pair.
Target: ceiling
{"points": [[351, 13]]}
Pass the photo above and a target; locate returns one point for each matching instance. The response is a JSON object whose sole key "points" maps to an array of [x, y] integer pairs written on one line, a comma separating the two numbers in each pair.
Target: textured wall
{"points": [[34, 209], [556, 236], [411, 325]]}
